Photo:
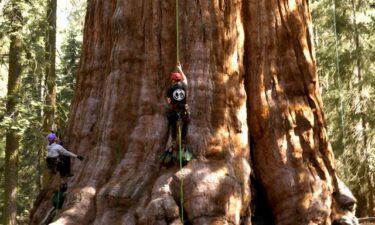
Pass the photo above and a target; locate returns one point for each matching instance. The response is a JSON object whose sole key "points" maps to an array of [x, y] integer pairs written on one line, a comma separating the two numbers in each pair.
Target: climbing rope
{"points": [[58, 202], [177, 35], [179, 124], [339, 76]]}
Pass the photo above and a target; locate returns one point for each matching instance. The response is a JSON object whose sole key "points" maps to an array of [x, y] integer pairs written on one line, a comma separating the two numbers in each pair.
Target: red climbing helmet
{"points": [[175, 76]]}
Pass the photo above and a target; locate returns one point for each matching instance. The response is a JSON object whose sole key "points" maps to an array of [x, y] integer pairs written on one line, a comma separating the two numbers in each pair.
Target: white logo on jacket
{"points": [[179, 94]]}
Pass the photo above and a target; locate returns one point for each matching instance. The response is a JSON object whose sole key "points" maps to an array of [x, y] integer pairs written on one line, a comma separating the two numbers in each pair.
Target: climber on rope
{"points": [[58, 158], [178, 110], [177, 99]]}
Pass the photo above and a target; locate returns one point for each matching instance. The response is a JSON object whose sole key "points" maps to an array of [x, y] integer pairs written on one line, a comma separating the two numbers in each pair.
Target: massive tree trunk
{"points": [[252, 76], [12, 132], [292, 155]]}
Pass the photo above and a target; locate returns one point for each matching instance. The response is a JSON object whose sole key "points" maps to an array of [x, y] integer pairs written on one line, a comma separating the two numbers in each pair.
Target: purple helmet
{"points": [[51, 137]]}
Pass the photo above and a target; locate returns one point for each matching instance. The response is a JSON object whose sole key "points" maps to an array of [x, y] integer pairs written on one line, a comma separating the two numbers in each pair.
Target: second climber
{"points": [[58, 158]]}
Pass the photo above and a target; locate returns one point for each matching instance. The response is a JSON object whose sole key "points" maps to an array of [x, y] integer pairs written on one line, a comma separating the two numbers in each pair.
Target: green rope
{"points": [[339, 76], [182, 180], [179, 122], [177, 35], [58, 203]]}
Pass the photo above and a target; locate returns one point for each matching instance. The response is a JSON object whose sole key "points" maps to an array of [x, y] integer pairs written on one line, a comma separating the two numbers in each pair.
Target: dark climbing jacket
{"points": [[178, 93]]}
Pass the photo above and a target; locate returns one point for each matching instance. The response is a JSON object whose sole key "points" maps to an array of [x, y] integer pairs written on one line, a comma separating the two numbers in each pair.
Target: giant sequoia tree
{"points": [[255, 109]]}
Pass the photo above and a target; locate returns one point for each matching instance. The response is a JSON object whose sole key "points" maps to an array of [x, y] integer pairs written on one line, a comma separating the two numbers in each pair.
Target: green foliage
{"points": [[347, 87], [66, 79], [29, 122]]}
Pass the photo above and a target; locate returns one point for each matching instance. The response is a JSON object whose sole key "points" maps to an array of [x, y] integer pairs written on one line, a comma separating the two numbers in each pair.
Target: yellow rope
{"points": [[177, 34], [179, 124]]}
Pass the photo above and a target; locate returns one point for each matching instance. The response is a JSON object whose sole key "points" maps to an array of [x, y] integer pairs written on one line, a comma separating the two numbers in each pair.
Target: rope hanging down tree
{"points": [[179, 123], [177, 35], [338, 75]]}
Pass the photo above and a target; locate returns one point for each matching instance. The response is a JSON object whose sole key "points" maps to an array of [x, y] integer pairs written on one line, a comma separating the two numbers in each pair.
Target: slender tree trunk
{"points": [[364, 147], [12, 136], [370, 194], [50, 100], [235, 61], [50, 77]]}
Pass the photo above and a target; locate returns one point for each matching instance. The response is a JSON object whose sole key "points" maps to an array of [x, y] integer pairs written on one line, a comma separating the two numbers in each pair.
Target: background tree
{"points": [[12, 104], [244, 59], [31, 101], [346, 61], [66, 81], [50, 77]]}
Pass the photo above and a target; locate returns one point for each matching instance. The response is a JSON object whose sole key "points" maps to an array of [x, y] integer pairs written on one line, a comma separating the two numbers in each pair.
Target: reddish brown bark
{"points": [[118, 119], [293, 159]]}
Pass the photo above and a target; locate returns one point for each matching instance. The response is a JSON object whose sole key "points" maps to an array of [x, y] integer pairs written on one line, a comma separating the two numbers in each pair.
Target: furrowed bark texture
{"points": [[118, 120], [292, 156], [243, 59]]}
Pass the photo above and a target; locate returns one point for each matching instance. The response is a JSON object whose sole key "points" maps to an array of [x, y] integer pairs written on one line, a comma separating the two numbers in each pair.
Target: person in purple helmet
{"points": [[58, 158]]}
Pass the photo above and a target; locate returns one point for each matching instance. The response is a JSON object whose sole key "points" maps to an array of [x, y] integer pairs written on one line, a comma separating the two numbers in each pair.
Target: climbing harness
{"points": [[339, 76], [176, 152], [166, 158]]}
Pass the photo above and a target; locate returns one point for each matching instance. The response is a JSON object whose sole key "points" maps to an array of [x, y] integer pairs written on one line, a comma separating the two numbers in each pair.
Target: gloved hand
{"points": [[80, 157], [178, 66]]}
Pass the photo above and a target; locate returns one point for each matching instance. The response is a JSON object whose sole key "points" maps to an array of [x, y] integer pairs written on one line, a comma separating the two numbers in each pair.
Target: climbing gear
{"points": [[57, 202], [175, 76], [51, 137], [58, 196], [184, 154], [59, 164], [167, 158], [172, 156]]}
